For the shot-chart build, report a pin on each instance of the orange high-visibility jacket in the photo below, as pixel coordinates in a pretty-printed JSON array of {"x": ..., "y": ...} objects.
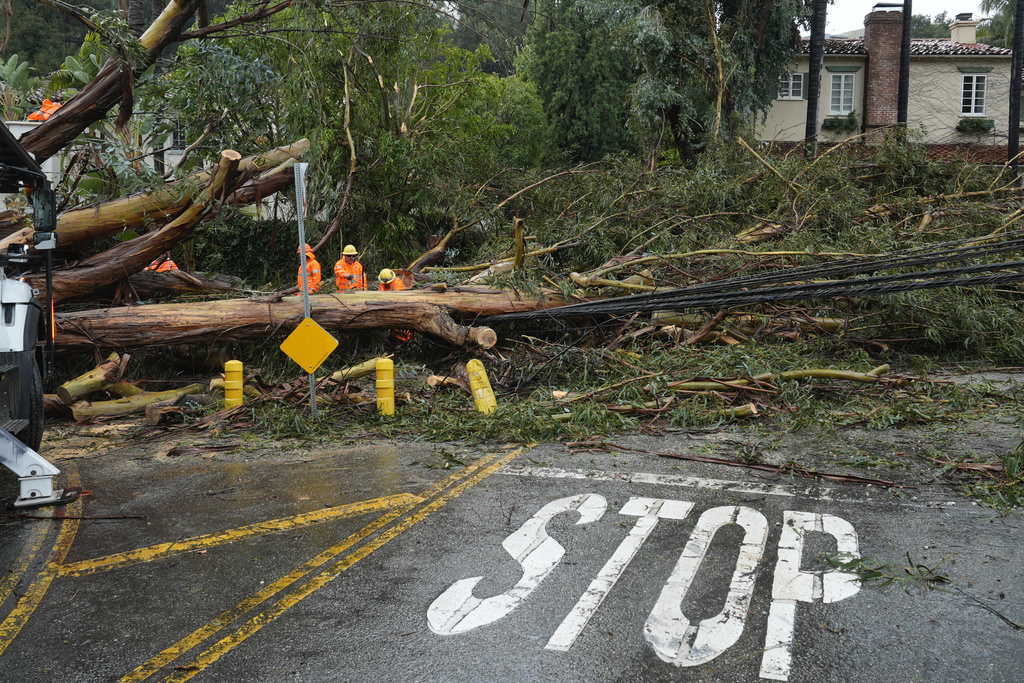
[
  {"x": 312, "y": 274},
  {"x": 162, "y": 266},
  {"x": 396, "y": 285},
  {"x": 349, "y": 276},
  {"x": 45, "y": 111}
]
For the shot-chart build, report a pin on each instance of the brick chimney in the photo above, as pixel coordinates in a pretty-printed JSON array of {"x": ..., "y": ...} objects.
[
  {"x": 964, "y": 29},
  {"x": 882, "y": 33}
]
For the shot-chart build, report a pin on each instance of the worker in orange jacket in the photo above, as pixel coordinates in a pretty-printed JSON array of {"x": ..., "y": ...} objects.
[
  {"x": 348, "y": 272},
  {"x": 389, "y": 282},
  {"x": 312, "y": 272},
  {"x": 162, "y": 263},
  {"x": 44, "y": 111}
]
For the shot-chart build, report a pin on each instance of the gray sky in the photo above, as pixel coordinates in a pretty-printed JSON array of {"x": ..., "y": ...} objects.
[{"x": 848, "y": 15}]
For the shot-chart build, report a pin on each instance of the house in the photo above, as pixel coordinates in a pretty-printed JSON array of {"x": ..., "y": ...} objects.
[{"x": 958, "y": 90}]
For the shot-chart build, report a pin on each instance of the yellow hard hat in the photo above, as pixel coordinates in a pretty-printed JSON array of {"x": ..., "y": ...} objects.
[
  {"x": 386, "y": 275},
  {"x": 349, "y": 250}
]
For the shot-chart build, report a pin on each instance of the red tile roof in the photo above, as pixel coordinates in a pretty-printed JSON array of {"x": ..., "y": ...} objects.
[{"x": 919, "y": 47}]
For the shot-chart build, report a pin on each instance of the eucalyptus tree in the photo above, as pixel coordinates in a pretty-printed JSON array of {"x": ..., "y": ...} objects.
[
  {"x": 705, "y": 67},
  {"x": 583, "y": 76},
  {"x": 405, "y": 126}
]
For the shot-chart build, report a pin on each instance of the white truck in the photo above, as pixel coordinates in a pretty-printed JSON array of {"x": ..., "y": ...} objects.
[{"x": 26, "y": 334}]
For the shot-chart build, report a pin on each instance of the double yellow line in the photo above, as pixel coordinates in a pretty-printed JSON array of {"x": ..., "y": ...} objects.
[
  {"x": 19, "y": 616},
  {"x": 400, "y": 513},
  {"x": 344, "y": 555}
]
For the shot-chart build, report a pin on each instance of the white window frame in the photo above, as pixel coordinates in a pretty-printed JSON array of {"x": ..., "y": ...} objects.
[
  {"x": 973, "y": 94},
  {"x": 791, "y": 87},
  {"x": 841, "y": 94}
]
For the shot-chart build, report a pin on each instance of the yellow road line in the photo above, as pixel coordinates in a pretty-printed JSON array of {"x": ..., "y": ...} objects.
[
  {"x": 223, "y": 620},
  {"x": 257, "y": 622},
  {"x": 17, "y": 618},
  {"x": 20, "y": 565},
  {"x": 161, "y": 550}
]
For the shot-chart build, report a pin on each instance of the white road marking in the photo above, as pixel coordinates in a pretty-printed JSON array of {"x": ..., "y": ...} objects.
[
  {"x": 457, "y": 610},
  {"x": 728, "y": 485},
  {"x": 792, "y": 584},
  {"x": 647, "y": 511},
  {"x": 668, "y": 630}
]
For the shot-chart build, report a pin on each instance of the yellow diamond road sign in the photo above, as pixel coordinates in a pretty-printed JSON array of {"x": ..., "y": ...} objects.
[{"x": 309, "y": 345}]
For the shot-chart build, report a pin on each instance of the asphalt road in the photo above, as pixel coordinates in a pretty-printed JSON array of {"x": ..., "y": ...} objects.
[{"x": 531, "y": 563}]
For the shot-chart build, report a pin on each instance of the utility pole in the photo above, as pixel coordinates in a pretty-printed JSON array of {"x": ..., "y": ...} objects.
[
  {"x": 817, "y": 57},
  {"x": 903, "y": 92},
  {"x": 1013, "y": 143}
]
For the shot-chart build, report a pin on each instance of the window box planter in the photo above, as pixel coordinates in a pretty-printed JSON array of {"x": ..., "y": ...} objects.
[
  {"x": 973, "y": 125},
  {"x": 841, "y": 123}
]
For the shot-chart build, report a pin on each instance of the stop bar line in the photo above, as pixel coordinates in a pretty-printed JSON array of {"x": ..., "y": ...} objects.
[{"x": 725, "y": 485}]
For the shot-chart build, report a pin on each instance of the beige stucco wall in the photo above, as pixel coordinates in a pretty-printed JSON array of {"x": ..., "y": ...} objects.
[
  {"x": 786, "y": 119},
  {"x": 936, "y": 86},
  {"x": 934, "y": 102}
]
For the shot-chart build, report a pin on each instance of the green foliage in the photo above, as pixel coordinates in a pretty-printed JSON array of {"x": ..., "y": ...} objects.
[
  {"x": 925, "y": 26},
  {"x": 704, "y": 68},
  {"x": 43, "y": 35},
  {"x": 582, "y": 76},
  {"x": 16, "y": 88},
  {"x": 911, "y": 575},
  {"x": 425, "y": 122}
]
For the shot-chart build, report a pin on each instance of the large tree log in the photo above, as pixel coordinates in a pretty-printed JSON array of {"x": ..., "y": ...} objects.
[
  {"x": 148, "y": 283},
  {"x": 78, "y": 226},
  {"x": 102, "y": 270},
  {"x": 234, "y": 320},
  {"x": 96, "y": 98}
]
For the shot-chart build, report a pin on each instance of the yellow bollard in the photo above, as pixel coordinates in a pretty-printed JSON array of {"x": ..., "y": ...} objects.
[
  {"x": 385, "y": 386},
  {"x": 483, "y": 395},
  {"x": 232, "y": 383}
]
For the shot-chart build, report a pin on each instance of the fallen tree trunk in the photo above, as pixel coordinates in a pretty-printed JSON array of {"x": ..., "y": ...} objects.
[
  {"x": 267, "y": 173},
  {"x": 96, "y": 98},
  {"x": 148, "y": 284},
  {"x": 234, "y": 320},
  {"x": 111, "y": 266}
]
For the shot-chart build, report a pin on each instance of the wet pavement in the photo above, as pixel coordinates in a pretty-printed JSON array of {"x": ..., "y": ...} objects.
[{"x": 530, "y": 563}]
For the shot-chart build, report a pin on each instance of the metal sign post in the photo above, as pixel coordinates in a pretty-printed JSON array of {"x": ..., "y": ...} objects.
[{"x": 300, "y": 212}]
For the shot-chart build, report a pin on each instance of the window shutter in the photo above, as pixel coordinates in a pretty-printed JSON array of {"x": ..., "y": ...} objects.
[
  {"x": 773, "y": 89},
  {"x": 807, "y": 84}
]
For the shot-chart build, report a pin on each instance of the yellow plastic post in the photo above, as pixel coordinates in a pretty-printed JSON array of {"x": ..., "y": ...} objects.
[
  {"x": 385, "y": 386},
  {"x": 232, "y": 383},
  {"x": 483, "y": 395}
]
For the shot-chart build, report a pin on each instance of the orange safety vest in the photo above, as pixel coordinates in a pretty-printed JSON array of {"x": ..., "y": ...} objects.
[
  {"x": 396, "y": 285},
  {"x": 312, "y": 274},
  {"x": 162, "y": 266},
  {"x": 44, "y": 111},
  {"x": 349, "y": 276}
]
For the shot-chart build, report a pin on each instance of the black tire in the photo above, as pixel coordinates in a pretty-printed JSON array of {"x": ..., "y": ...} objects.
[{"x": 32, "y": 435}]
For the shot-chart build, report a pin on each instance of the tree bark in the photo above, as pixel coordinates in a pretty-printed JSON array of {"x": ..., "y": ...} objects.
[
  {"x": 111, "y": 266},
  {"x": 234, "y": 320},
  {"x": 96, "y": 98},
  {"x": 75, "y": 227},
  {"x": 83, "y": 385},
  {"x": 127, "y": 406},
  {"x": 148, "y": 284}
]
